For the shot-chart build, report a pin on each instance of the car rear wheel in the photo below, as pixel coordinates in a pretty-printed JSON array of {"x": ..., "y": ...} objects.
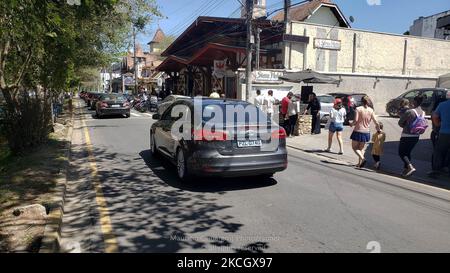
[{"x": 182, "y": 169}]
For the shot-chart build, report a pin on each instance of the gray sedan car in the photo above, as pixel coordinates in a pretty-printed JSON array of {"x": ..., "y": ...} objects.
[
  {"x": 252, "y": 145},
  {"x": 165, "y": 103}
]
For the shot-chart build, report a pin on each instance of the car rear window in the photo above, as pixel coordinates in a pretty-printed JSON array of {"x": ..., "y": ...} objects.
[
  {"x": 253, "y": 114},
  {"x": 326, "y": 99},
  {"x": 112, "y": 97}
]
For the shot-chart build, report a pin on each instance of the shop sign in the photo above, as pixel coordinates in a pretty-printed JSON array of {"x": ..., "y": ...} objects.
[
  {"x": 267, "y": 76},
  {"x": 327, "y": 44},
  {"x": 219, "y": 68}
]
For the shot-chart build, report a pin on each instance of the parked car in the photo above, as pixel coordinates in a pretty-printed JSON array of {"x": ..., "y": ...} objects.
[
  {"x": 112, "y": 104},
  {"x": 224, "y": 156},
  {"x": 350, "y": 101},
  {"x": 164, "y": 104},
  {"x": 94, "y": 99},
  {"x": 326, "y": 104},
  {"x": 433, "y": 96},
  {"x": 90, "y": 98}
]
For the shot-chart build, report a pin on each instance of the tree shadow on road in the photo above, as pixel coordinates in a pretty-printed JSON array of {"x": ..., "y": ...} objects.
[
  {"x": 167, "y": 173},
  {"x": 152, "y": 211}
]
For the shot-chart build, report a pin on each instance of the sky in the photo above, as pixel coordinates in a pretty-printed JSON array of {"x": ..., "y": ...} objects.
[{"x": 391, "y": 16}]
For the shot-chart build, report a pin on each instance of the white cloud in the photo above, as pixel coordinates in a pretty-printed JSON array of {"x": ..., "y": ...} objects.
[{"x": 374, "y": 2}]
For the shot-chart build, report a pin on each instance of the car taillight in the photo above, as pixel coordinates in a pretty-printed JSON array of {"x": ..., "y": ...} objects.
[
  {"x": 103, "y": 105},
  {"x": 279, "y": 134},
  {"x": 208, "y": 135},
  {"x": 126, "y": 104}
]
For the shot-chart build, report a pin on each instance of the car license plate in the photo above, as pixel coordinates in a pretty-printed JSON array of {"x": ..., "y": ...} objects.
[
  {"x": 250, "y": 143},
  {"x": 115, "y": 106}
]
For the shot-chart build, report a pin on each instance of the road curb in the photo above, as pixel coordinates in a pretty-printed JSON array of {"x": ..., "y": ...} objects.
[
  {"x": 406, "y": 184},
  {"x": 52, "y": 233}
]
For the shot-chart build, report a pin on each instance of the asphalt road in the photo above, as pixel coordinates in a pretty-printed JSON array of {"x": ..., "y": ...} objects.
[{"x": 314, "y": 206}]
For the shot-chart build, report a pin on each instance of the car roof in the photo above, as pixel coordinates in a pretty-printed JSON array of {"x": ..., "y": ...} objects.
[
  {"x": 346, "y": 94},
  {"x": 429, "y": 89},
  {"x": 208, "y": 100}
]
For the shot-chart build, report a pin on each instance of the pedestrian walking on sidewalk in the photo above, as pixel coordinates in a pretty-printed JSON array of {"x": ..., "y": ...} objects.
[
  {"x": 259, "y": 100},
  {"x": 364, "y": 115},
  {"x": 269, "y": 103},
  {"x": 314, "y": 106},
  {"x": 284, "y": 112},
  {"x": 337, "y": 118},
  {"x": 293, "y": 110},
  {"x": 410, "y": 138},
  {"x": 378, "y": 140},
  {"x": 404, "y": 106},
  {"x": 441, "y": 118}
]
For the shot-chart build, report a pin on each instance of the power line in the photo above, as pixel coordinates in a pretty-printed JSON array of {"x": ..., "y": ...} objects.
[
  {"x": 205, "y": 12},
  {"x": 204, "y": 4}
]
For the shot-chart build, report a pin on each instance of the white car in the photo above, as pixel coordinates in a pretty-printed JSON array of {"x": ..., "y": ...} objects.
[
  {"x": 164, "y": 104},
  {"x": 326, "y": 104}
]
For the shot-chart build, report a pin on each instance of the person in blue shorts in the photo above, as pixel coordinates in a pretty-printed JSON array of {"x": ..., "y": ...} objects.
[{"x": 337, "y": 116}]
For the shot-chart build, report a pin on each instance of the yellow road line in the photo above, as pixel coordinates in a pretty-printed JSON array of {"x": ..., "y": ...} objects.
[{"x": 109, "y": 237}]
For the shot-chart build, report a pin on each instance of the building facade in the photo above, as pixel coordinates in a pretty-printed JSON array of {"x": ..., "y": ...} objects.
[
  {"x": 434, "y": 26},
  {"x": 317, "y": 37},
  {"x": 146, "y": 63}
]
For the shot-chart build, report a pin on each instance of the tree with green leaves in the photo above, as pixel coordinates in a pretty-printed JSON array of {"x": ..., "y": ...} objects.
[{"x": 45, "y": 46}]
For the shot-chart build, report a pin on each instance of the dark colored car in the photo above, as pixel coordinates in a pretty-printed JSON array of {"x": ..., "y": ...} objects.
[
  {"x": 94, "y": 99},
  {"x": 167, "y": 101},
  {"x": 258, "y": 152},
  {"x": 433, "y": 96},
  {"x": 112, "y": 104},
  {"x": 350, "y": 101},
  {"x": 90, "y": 99}
]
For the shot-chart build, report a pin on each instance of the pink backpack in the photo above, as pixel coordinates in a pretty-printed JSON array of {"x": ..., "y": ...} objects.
[{"x": 419, "y": 125}]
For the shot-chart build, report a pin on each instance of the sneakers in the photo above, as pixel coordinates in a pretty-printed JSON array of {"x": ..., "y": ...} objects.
[
  {"x": 408, "y": 171},
  {"x": 377, "y": 166},
  {"x": 327, "y": 151}
]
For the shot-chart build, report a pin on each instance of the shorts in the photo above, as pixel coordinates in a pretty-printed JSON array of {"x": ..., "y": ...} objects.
[
  {"x": 336, "y": 127},
  {"x": 360, "y": 137}
]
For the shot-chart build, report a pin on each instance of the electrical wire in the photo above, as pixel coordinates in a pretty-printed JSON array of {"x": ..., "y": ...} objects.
[
  {"x": 193, "y": 14},
  {"x": 206, "y": 12}
]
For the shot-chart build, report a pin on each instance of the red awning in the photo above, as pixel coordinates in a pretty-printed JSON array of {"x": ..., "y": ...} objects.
[{"x": 204, "y": 56}]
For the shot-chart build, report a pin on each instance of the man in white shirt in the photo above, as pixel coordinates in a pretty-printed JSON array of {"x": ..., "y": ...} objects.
[
  {"x": 259, "y": 100},
  {"x": 269, "y": 102}
]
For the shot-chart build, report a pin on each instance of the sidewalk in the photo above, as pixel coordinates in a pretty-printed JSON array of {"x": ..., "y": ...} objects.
[{"x": 390, "y": 162}]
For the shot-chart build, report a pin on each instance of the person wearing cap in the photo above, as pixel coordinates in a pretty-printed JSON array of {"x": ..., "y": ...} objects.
[{"x": 337, "y": 118}]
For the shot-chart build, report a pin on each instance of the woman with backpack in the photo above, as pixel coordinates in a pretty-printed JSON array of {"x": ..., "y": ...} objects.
[{"x": 414, "y": 124}]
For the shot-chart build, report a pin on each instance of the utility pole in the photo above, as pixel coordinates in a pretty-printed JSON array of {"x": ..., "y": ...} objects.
[
  {"x": 110, "y": 78},
  {"x": 248, "y": 69},
  {"x": 287, "y": 5},
  {"x": 135, "y": 62},
  {"x": 258, "y": 46}
]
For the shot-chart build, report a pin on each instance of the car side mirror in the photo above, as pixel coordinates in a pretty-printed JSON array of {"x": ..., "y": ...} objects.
[{"x": 156, "y": 116}]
